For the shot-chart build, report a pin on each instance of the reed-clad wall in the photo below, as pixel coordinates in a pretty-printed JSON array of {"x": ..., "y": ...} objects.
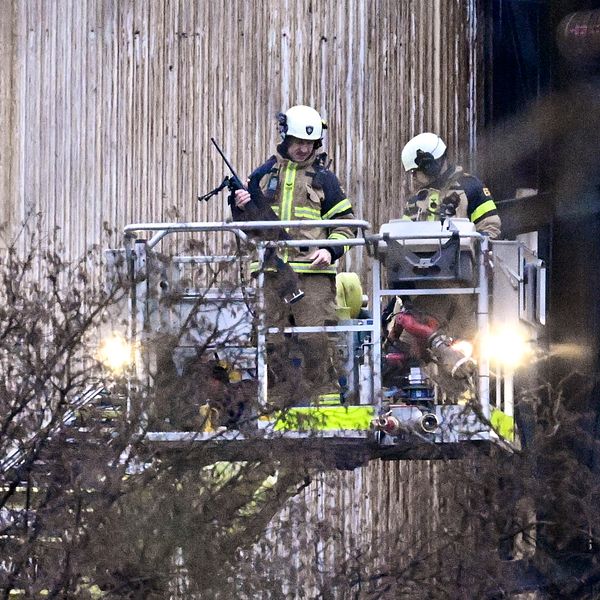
[{"x": 107, "y": 108}]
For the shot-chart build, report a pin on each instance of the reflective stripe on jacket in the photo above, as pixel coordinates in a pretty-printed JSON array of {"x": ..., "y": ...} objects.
[{"x": 456, "y": 194}]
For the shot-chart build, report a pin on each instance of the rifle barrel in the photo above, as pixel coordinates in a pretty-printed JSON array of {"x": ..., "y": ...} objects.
[{"x": 229, "y": 165}]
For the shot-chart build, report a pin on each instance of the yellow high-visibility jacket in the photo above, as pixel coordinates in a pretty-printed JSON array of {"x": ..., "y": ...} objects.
[
  {"x": 304, "y": 191},
  {"x": 456, "y": 194}
]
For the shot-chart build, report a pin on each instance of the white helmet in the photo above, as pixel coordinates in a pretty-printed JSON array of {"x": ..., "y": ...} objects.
[
  {"x": 302, "y": 122},
  {"x": 430, "y": 144}
]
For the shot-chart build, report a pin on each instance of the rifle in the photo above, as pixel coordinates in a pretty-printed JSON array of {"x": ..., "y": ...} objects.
[{"x": 288, "y": 286}]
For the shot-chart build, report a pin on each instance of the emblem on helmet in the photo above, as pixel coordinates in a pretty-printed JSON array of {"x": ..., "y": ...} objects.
[{"x": 303, "y": 122}]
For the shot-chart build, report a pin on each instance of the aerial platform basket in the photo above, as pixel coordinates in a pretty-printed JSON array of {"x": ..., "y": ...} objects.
[{"x": 405, "y": 259}]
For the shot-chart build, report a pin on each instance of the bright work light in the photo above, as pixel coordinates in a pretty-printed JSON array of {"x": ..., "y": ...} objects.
[
  {"x": 115, "y": 353},
  {"x": 508, "y": 347},
  {"x": 464, "y": 347}
]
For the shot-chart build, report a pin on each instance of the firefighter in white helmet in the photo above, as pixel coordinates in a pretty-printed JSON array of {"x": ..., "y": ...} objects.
[
  {"x": 296, "y": 183},
  {"x": 444, "y": 189}
]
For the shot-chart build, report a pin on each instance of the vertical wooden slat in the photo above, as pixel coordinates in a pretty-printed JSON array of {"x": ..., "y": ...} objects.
[
  {"x": 8, "y": 117},
  {"x": 34, "y": 122},
  {"x": 95, "y": 119},
  {"x": 45, "y": 141}
]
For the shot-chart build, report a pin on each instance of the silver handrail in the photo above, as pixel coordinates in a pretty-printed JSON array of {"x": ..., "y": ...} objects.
[
  {"x": 382, "y": 237},
  {"x": 239, "y": 228}
]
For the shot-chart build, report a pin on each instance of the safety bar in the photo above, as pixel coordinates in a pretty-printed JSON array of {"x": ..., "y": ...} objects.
[
  {"x": 313, "y": 243},
  {"x": 382, "y": 237},
  {"x": 238, "y": 228}
]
